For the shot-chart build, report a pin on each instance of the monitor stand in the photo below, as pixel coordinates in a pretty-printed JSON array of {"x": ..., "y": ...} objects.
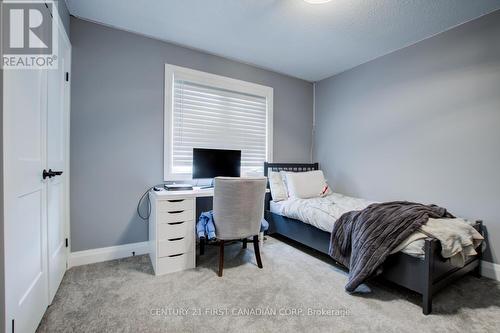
[{"x": 208, "y": 186}]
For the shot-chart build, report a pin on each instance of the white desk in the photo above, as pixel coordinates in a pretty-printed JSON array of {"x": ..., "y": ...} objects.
[
  {"x": 172, "y": 232},
  {"x": 172, "y": 223}
]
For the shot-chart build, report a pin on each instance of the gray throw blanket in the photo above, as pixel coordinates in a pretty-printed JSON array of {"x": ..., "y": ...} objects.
[{"x": 362, "y": 240}]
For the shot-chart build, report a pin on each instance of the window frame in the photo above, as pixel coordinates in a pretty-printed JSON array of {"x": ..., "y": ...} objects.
[{"x": 172, "y": 73}]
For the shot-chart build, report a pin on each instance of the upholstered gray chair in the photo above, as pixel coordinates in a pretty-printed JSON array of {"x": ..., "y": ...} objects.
[{"x": 238, "y": 212}]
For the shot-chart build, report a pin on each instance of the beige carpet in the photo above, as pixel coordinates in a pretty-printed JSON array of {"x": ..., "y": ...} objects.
[{"x": 295, "y": 292}]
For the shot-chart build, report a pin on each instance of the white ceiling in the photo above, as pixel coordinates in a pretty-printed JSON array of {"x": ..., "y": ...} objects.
[{"x": 293, "y": 37}]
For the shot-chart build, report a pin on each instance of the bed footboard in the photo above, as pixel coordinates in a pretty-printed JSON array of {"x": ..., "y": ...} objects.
[
  {"x": 432, "y": 273},
  {"x": 425, "y": 276}
]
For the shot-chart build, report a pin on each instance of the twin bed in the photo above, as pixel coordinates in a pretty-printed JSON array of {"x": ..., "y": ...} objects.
[{"x": 418, "y": 265}]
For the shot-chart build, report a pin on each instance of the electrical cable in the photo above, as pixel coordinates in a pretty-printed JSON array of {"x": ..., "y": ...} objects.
[{"x": 145, "y": 195}]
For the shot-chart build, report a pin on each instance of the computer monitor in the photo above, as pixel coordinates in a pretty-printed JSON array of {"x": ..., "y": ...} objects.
[{"x": 211, "y": 163}]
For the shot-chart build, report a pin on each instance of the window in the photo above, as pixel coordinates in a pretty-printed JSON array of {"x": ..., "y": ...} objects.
[{"x": 209, "y": 111}]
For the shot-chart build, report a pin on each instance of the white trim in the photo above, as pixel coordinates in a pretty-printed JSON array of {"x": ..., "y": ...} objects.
[
  {"x": 490, "y": 270},
  {"x": 172, "y": 72},
  {"x": 107, "y": 253},
  {"x": 67, "y": 124},
  {"x": 67, "y": 138}
]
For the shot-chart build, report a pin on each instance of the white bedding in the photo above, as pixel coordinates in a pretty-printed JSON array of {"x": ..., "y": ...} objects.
[
  {"x": 319, "y": 212},
  {"x": 323, "y": 212}
]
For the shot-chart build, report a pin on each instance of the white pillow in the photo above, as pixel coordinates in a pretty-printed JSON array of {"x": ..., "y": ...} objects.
[
  {"x": 277, "y": 186},
  {"x": 306, "y": 185},
  {"x": 283, "y": 177}
]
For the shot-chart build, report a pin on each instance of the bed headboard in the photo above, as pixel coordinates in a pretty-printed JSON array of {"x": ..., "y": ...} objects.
[{"x": 291, "y": 167}]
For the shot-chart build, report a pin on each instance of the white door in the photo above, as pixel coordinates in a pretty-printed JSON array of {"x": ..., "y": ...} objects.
[
  {"x": 26, "y": 278},
  {"x": 36, "y": 138},
  {"x": 57, "y": 123}
]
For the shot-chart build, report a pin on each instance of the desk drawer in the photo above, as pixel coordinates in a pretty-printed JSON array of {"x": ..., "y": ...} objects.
[
  {"x": 175, "y": 263},
  {"x": 175, "y": 205},
  {"x": 175, "y": 229},
  {"x": 174, "y": 246},
  {"x": 175, "y": 216}
]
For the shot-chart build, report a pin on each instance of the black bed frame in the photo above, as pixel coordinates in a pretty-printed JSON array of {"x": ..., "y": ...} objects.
[{"x": 425, "y": 276}]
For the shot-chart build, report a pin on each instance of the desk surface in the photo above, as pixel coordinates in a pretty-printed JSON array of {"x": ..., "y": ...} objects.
[{"x": 194, "y": 193}]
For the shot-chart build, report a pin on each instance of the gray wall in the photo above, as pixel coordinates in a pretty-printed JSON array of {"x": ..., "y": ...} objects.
[
  {"x": 420, "y": 124},
  {"x": 117, "y": 132}
]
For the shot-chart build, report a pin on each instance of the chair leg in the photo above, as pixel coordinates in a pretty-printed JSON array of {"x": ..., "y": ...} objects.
[
  {"x": 202, "y": 246},
  {"x": 221, "y": 257},
  {"x": 257, "y": 251},
  {"x": 244, "y": 243}
]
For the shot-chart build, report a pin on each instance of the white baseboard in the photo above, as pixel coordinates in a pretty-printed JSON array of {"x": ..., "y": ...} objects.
[
  {"x": 107, "y": 253},
  {"x": 490, "y": 270}
]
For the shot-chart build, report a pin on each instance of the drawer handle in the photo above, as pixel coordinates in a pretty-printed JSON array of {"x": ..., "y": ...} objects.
[
  {"x": 176, "y": 212},
  {"x": 176, "y": 200},
  {"x": 175, "y": 239},
  {"x": 176, "y": 255},
  {"x": 175, "y": 223}
]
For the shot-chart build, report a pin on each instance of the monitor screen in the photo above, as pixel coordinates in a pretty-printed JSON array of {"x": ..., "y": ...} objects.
[{"x": 211, "y": 163}]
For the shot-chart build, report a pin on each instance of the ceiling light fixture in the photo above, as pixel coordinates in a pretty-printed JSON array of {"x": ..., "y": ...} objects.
[{"x": 317, "y": 2}]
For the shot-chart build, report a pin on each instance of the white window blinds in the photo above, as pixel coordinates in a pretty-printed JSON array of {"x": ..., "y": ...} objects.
[{"x": 210, "y": 116}]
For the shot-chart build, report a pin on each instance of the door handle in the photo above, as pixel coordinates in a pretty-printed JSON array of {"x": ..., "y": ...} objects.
[
  {"x": 55, "y": 173},
  {"x": 46, "y": 174},
  {"x": 50, "y": 173}
]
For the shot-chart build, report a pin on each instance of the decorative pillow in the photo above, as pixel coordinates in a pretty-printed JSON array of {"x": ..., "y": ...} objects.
[
  {"x": 326, "y": 190},
  {"x": 278, "y": 187},
  {"x": 306, "y": 185}
]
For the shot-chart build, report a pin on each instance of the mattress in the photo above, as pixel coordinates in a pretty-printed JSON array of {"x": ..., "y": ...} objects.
[{"x": 323, "y": 212}]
